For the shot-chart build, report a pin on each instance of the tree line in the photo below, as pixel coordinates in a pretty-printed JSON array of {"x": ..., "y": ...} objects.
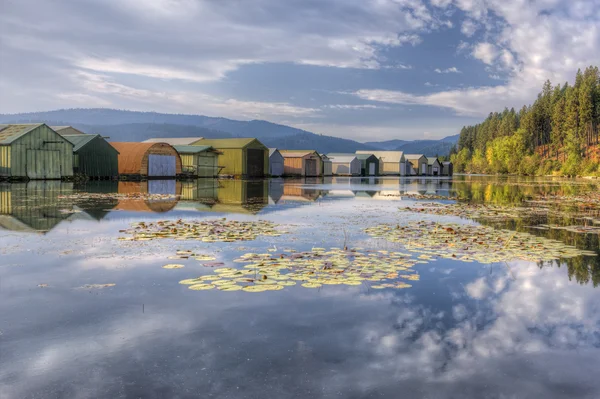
[{"x": 557, "y": 134}]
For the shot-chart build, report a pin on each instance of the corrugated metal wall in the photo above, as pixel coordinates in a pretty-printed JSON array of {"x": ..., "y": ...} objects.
[
  {"x": 41, "y": 154},
  {"x": 98, "y": 159}
]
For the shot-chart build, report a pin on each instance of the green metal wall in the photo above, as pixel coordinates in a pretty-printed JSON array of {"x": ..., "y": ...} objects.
[
  {"x": 98, "y": 159},
  {"x": 40, "y": 152}
]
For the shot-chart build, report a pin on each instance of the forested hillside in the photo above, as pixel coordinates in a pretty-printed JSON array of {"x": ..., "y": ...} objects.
[{"x": 558, "y": 134}]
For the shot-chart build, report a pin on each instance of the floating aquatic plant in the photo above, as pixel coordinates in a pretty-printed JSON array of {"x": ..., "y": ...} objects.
[
  {"x": 173, "y": 266},
  {"x": 97, "y": 286},
  {"x": 219, "y": 230},
  {"x": 468, "y": 243},
  {"x": 312, "y": 269}
]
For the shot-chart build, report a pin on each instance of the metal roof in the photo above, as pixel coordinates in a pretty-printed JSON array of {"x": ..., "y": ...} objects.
[
  {"x": 174, "y": 140},
  {"x": 341, "y": 158},
  {"x": 386, "y": 156},
  {"x": 80, "y": 140},
  {"x": 431, "y": 161},
  {"x": 365, "y": 156},
  {"x": 193, "y": 149},
  {"x": 272, "y": 151},
  {"x": 227, "y": 143},
  {"x": 12, "y": 132},
  {"x": 413, "y": 156},
  {"x": 68, "y": 130},
  {"x": 297, "y": 153}
]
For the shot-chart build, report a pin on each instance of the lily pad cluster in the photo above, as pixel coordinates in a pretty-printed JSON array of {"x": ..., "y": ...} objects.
[
  {"x": 312, "y": 269},
  {"x": 468, "y": 243},
  {"x": 219, "y": 230},
  {"x": 477, "y": 211}
]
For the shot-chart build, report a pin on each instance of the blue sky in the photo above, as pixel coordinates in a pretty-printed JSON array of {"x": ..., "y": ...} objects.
[{"x": 360, "y": 69}]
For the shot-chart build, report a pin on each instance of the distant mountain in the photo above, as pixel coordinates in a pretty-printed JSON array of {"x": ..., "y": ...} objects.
[
  {"x": 121, "y": 125},
  {"x": 429, "y": 147},
  {"x": 139, "y": 126},
  {"x": 389, "y": 145}
]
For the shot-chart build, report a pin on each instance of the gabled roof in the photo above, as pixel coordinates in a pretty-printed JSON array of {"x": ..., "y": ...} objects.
[
  {"x": 66, "y": 130},
  {"x": 193, "y": 149},
  {"x": 174, "y": 140},
  {"x": 363, "y": 157},
  {"x": 431, "y": 161},
  {"x": 9, "y": 133},
  {"x": 297, "y": 153},
  {"x": 324, "y": 157},
  {"x": 386, "y": 156},
  {"x": 272, "y": 151},
  {"x": 341, "y": 158},
  {"x": 227, "y": 143},
  {"x": 414, "y": 156},
  {"x": 341, "y": 154},
  {"x": 79, "y": 140}
]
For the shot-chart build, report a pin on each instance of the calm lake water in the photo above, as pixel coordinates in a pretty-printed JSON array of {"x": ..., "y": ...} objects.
[{"x": 463, "y": 330}]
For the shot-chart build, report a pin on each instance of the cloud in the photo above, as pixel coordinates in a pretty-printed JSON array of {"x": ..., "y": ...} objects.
[
  {"x": 469, "y": 28},
  {"x": 466, "y": 102},
  {"x": 177, "y": 101},
  {"x": 447, "y": 70},
  {"x": 356, "y": 106},
  {"x": 485, "y": 52}
]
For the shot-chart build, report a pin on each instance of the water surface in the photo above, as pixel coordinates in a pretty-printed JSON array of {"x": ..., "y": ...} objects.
[{"x": 464, "y": 330}]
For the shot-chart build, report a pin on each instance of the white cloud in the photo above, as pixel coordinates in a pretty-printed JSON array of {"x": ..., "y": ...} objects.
[
  {"x": 485, "y": 52},
  {"x": 447, "y": 70},
  {"x": 186, "y": 101},
  {"x": 356, "y": 106},
  {"x": 469, "y": 27}
]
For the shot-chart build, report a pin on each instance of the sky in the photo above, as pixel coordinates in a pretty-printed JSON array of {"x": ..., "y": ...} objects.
[{"x": 359, "y": 69}]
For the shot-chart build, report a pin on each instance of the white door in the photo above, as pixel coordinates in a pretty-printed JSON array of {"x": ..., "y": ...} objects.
[
  {"x": 371, "y": 169},
  {"x": 161, "y": 165},
  {"x": 424, "y": 169}
]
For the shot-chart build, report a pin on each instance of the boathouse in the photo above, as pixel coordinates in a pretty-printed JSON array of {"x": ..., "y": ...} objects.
[
  {"x": 275, "y": 162},
  {"x": 418, "y": 164},
  {"x": 241, "y": 157},
  {"x": 390, "y": 162},
  {"x": 152, "y": 160},
  {"x": 93, "y": 156},
  {"x": 34, "y": 151},
  {"x": 344, "y": 164},
  {"x": 198, "y": 160},
  {"x": 326, "y": 162},
  {"x": 302, "y": 163}
]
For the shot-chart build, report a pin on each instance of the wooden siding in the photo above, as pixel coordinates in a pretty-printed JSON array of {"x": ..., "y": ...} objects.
[
  {"x": 5, "y": 160},
  {"x": 234, "y": 161},
  {"x": 327, "y": 168},
  {"x": 40, "y": 154},
  {"x": 276, "y": 164},
  {"x": 297, "y": 166},
  {"x": 203, "y": 164},
  {"x": 346, "y": 168},
  {"x": 389, "y": 168},
  {"x": 97, "y": 159},
  {"x": 293, "y": 166}
]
